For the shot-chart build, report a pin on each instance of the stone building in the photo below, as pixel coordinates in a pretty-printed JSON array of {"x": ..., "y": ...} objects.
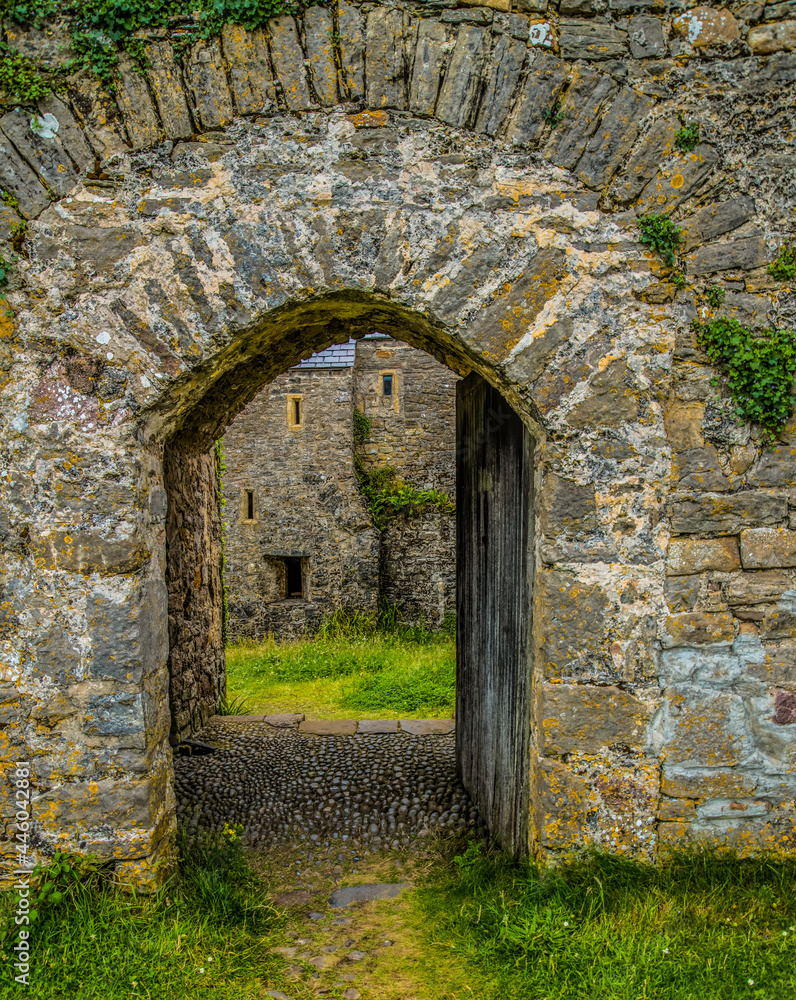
[
  {"x": 475, "y": 183},
  {"x": 299, "y": 539}
]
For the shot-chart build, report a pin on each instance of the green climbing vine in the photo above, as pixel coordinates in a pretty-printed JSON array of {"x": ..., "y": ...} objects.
[
  {"x": 361, "y": 427},
  {"x": 221, "y": 468},
  {"x": 758, "y": 366},
  {"x": 783, "y": 267}
]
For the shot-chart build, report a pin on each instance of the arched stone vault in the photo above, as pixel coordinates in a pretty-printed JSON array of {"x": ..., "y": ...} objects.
[{"x": 406, "y": 181}]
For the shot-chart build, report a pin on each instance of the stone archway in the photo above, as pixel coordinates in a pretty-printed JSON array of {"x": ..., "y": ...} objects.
[{"x": 163, "y": 271}]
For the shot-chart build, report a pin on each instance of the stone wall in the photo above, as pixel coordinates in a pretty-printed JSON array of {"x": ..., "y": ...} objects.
[
  {"x": 414, "y": 429},
  {"x": 375, "y": 168},
  {"x": 307, "y": 505},
  {"x": 417, "y": 566}
]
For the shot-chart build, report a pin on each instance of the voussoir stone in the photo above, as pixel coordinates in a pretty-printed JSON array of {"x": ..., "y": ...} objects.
[
  {"x": 696, "y": 555},
  {"x": 135, "y": 103},
  {"x": 246, "y": 56},
  {"x": 288, "y": 58},
  {"x": 766, "y": 39},
  {"x": 506, "y": 65},
  {"x": 588, "y": 91},
  {"x": 430, "y": 52},
  {"x": 318, "y": 31},
  {"x": 351, "y": 33},
  {"x": 69, "y": 132},
  {"x": 164, "y": 79},
  {"x": 614, "y": 139},
  {"x": 768, "y": 548},
  {"x": 715, "y": 220},
  {"x": 204, "y": 71},
  {"x": 47, "y": 156},
  {"x": 642, "y": 166},
  {"x": 742, "y": 254},
  {"x": 98, "y": 114},
  {"x": 544, "y": 82},
  {"x": 678, "y": 180},
  {"x": 457, "y": 99},
  {"x": 385, "y": 56}
]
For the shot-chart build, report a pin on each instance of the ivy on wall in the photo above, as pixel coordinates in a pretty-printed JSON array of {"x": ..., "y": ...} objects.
[
  {"x": 759, "y": 368},
  {"x": 387, "y": 496}
]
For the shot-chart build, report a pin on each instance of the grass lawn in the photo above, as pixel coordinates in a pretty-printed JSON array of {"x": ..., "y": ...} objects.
[
  {"x": 476, "y": 925},
  {"x": 356, "y": 667}
]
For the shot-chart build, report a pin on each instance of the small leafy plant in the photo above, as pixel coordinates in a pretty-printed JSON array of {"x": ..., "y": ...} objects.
[
  {"x": 554, "y": 116},
  {"x": 233, "y": 706},
  {"x": 659, "y": 232},
  {"x": 361, "y": 427},
  {"x": 759, "y": 368},
  {"x": 783, "y": 267},
  {"x": 20, "y": 78},
  {"x": 677, "y": 278},
  {"x": 687, "y": 137},
  {"x": 62, "y": 879},
  {"x": 715, "y": 296}
]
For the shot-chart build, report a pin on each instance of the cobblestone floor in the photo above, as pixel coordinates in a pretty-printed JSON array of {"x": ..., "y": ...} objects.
[{"x": 354, "y": 788}]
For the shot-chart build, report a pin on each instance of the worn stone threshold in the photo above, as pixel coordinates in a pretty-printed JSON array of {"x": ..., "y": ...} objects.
[{"x": 342, "y": 727}]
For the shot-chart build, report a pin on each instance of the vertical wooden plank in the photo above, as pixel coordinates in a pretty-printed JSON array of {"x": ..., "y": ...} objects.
[{"x": 493, "y": 510}]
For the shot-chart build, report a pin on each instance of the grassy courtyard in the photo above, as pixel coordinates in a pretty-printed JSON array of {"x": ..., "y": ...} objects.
[
  {"x": 472, "y": 925},
  {"x": 357, "y": 666}
]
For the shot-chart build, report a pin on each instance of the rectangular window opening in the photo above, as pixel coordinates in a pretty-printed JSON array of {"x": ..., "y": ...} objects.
[
  {"x": 249, "y": 505},
  {"x": 386, "y": 385},
  {"x": 296, "y": 411},
  {"x": 294, "y": 582}
]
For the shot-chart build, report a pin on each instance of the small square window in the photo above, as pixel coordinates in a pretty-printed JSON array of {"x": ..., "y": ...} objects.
[{"x": 386, "y": 385}]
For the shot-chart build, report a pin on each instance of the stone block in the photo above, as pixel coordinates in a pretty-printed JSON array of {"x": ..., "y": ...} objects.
[
  {"x": 120, "y": 715},
  {"x": 697, "y": 555},
  {"x": 785, "y": 9},
  {"x": 682, "y": 592},
  {"x": 705, "y": 27},
  {"x": 135, "y": 104},
  {"x": 645, "y": 35},
  {"x": 428, "y": 727},
  {"x": 70, "y": 134},
  {"x": 318, "y": 32},
  {"x": 284, "y": 720},
  {"x": 680, "y": 810},
  {"x": 129, "y": 638},
  {"x": 742, "y": 254},
  {"x": 588, "y": 91},
  {"x": 430, "y": 52},
  {"x": 47, "y": 156},
  {"x": 87, "y": 552},
  {"x": 777, "y": 666},
  {"x": 777, "y": 464},
  {"x": 54, "y": 709},
  {"x": 642, "y": 166},
  {"x": 698, "y": 628},
  {"x": 590, "y": 40},
  {"x": 677, "y": 181},
  {"x": 706, "y": 784},
  {"x": 612, "y": 399},
  {"x": 544, "y": 81},
  {"x": 699, "y": 468},
  {"x": 767, "y": 548},
  {"x": 562, "y": 801},
  {"x": 613, "y": 140},
  {"x": 778, "y": 624},
  {"x": 352, "y": 48},
  {"x": 715, "y": 220},
  {"x": 385, "y": 55},
  {"x": 97, "y": 805},
  {"x": 461, "y": 88},
  {"x": 377, "y": 726},
  {"x": 98, "y": 114},
  {"x": 204, "y": 73},
  {"x": 566, "y": 507},
  {"x": 328, "y": 727},
  {"x": 764, "y": 587},
  {"x": 246, "y": 57},
  {"x": 584, "y": 718},
  {"x": 766, "y": 39},
  {"x": 164, "y": 80},
  {"x": 481, "y": 15},
  {"x": 573, "y": 642},
  {"x": 706, "y": 729},
  {"x": 531, "y": 6},
  {"x": 506, "y": 65},
  {"x": 727, "y": 514},
  {"x": 19, "y": 180},
  {"x": 530, "y": 362}
]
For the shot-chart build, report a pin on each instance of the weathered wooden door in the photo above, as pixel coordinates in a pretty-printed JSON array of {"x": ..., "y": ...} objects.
[{"x": 494, "y": 483}]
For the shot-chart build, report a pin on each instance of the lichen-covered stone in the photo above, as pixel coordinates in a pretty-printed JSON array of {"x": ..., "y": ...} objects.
[
  {"x": 318, "y": 31},
  {"x": 204, "y": 72},
  {"x": 164, "y": 80},
  {"x": 614, "y": 139},
  {"x": 544, "y": 81},
  {"x": 696, "y": 555},
  {"x": 645, "y": 35},
  {"x": 246, "y": 56},
  {"x": 766, "y": 39},
  {"x": 741, "y": 254},
  {"x": 706, "y": 26},
  {"x": 675, "y": 182},
  {"x": 70, "y": 134},
  {"x": 352, "y": 47},
  {"x": 766, "y": 548},
  {"x": 385, "y": 57},
  {"x": 587, "y": 92},
  {"x": 47, "y": 156},
  {"x": 715, "y": 220},
  {"x": 698, "y": 629},
  {"x": 587, "y": 40},
  {"x": 430, "y": 52},
  {"x": 645, "y": 161},
  {"x": 584, "y": 719},
  {"x": 507, "y": 63},
  {"x": 135, "y": 103},
  {"x": 462, "y": 84},
  {"x": 727, "y": 514},
  {"x": 19, "y": 180}
]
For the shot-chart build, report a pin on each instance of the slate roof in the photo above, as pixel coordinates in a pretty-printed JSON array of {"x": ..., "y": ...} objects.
[{"x": 338, "y": 355}]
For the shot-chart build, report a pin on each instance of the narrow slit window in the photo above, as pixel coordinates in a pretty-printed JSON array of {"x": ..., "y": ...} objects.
[
  {"x": 386, "y": 385},
  {"x": 294, "y": 578},
  {"x": 249, "y": 505},
  {"x": 296, "y": 411}
]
